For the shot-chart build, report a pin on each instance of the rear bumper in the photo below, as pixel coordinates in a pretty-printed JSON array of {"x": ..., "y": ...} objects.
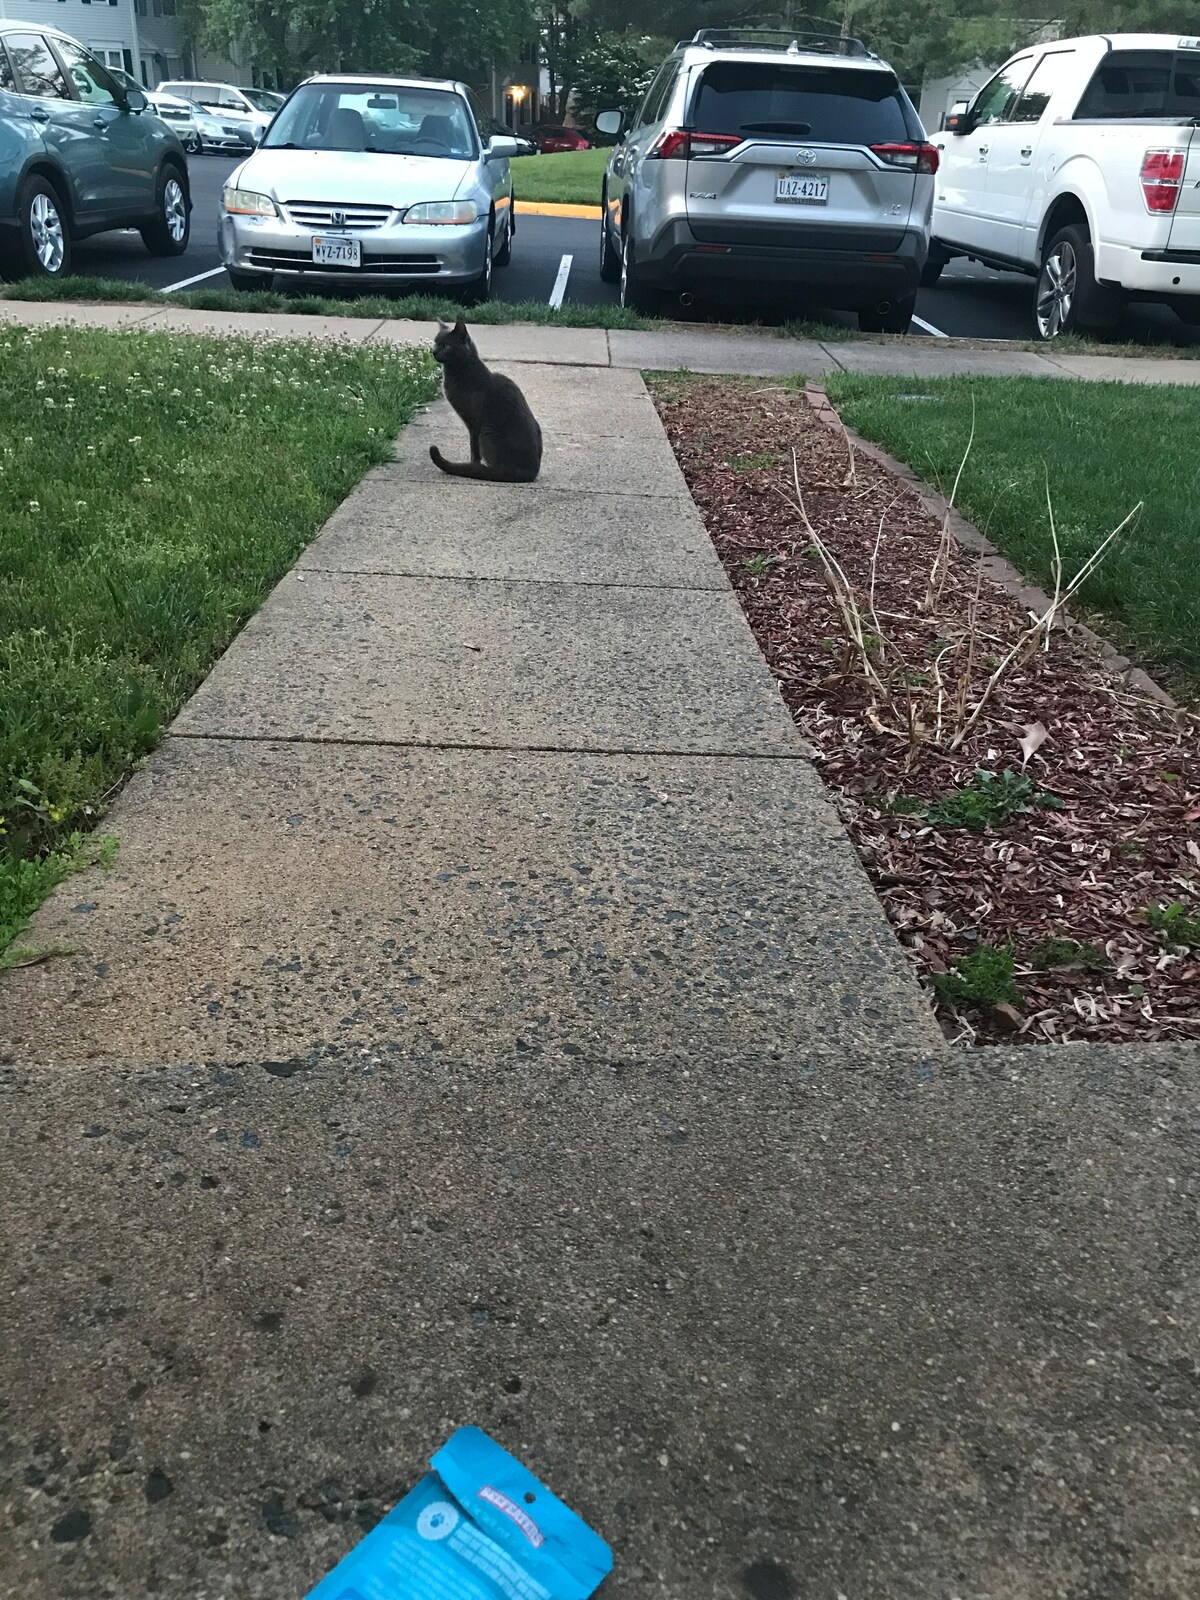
[
  {"x": 847, "y": 277},
  {"x": 1151, "y": 274}
]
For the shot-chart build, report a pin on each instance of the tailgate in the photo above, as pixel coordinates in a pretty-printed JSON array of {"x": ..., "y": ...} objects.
[
  {"x": 811, "y": 197},
  {"x": 789, "y": 158},
  {"x": 1185, "y": 224}
]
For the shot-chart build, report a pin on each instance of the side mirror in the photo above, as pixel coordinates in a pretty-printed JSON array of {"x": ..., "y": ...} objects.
[
  {"x": 609, "y": 122},
  {"x": 135, "y": 100},
  {"x": 501, "y": 147},
  {"x": 960, "y": 122}
]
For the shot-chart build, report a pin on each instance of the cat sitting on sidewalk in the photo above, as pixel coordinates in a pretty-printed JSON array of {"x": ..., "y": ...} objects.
[{"x": 506, "y": 442}]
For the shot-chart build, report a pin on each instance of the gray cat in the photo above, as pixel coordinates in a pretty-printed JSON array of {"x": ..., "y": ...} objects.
[{"x": 506, "y": 442}]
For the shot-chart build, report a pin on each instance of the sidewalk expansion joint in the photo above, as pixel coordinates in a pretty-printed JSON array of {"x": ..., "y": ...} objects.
[
  {"x": 633, "y": 752},
  {"x": 499, "y": 577}
]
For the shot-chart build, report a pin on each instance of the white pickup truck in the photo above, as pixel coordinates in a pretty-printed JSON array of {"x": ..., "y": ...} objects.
[{"x": 1079, "y": 163}]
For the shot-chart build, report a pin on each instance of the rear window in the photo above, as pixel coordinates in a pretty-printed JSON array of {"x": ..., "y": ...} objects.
[
  {"x": 1143, "y": 83},
  {"x": 829, "y": 105}
]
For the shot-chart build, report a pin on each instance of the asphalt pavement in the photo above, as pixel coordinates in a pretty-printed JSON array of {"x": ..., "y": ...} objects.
[{"x": 555, "y": 259}]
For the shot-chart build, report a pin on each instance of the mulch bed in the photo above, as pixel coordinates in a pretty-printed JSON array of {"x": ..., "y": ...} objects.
[{"x": 1068, "y": 881}]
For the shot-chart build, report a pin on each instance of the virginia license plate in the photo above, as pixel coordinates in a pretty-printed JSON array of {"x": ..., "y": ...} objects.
[
  {"x": 811, "y": 189},
  {"x": 337, "y": 252}
]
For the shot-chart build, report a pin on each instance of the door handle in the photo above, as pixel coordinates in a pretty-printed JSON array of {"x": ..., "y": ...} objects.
[
  {"x": 40, "y": 114},
  {"x": 1026, "y": 152},
  {"x": 99, "y": 122},
  {"x": 983, "y": 149}
]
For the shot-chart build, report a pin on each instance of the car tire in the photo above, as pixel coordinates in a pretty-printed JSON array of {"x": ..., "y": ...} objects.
[
  {"x": 635, "y": 296},
  {"x": 249, "y": 282},
  {"x": 171, "y": 229},
  {"x": 1068, "y": 299},
  {"x": 504, "y": 254},
  {"x": 43, "y": 233},
  {"x": 479, "y": 292},
  {"x": 895, "y": 320},
  {"x": 610, "y": 261}
]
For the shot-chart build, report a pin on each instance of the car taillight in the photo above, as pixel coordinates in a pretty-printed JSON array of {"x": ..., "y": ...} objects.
[
  {"x": 1162, "y": 175},
  {"x": 912, "y": 157},
  {"x": 677, "y": 144}
]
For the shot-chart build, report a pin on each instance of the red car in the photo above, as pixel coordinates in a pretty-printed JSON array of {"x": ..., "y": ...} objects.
[{"x": 554, "y": 141}]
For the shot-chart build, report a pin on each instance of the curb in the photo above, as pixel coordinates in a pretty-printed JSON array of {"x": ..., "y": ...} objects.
[
  {"x": 547, "y": 208},
  {"x": 997, "y": 568}
]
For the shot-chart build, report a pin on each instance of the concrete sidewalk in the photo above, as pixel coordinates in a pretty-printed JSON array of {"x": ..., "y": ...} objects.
[
  {"x": 668, "y": 349},
  {"x": 494, "y": 766},
  {"x": 487, "y": 1021}
]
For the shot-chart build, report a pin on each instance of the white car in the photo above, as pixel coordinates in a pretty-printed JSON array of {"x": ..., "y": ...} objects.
[
  {"x": 1079, "y": 164},
  {"x": 247, "y": 112}
]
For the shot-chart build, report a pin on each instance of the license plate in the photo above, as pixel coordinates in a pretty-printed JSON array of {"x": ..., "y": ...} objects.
[
  {"x": 793, "y": 189},
  {"x": 337, "y": 252}
]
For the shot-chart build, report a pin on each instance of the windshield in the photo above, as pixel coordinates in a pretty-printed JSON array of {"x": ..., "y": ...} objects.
[
  {"x": 386, "y": 119},
  {"x": 263, "y": 100},
  {"x": 829, "y": 105}
]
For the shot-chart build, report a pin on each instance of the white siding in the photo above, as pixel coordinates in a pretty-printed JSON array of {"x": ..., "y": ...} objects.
[{"x": 103, "y": 27}]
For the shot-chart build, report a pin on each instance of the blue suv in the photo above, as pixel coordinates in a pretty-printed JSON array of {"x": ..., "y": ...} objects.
[{"x": 79, "y": 154}]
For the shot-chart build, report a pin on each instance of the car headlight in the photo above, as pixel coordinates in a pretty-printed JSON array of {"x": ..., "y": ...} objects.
[
  {"x": 245, "y": 203},
  {"x": 445, "y": 212}
]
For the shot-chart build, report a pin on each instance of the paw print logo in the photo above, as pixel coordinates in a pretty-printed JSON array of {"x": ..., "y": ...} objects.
[{"x": 438, "y": 1520}]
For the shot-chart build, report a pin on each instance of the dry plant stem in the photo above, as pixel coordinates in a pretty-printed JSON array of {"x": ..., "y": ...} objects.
[
  {"x": 1029, "y": 637},
  {"x": 941, "y": 562},
  {"x": 1056, "y": 563}
]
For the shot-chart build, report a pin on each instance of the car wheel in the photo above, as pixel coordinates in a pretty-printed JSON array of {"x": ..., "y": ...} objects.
[
  {"x": 248, "y": 282},
  {"x": 43, "y": 233},
  {"x": 504, "y": 254},
  {"x": 171, "y": 229},
  {"x": 194, "y": 144},
  {"x": 1068, "y": 298},
  {"x": 610, "y": 261},
  {"x": 477, "y": 293},
  {"x": 895, "y": 319},
  {"x": 634, "y": 295}
]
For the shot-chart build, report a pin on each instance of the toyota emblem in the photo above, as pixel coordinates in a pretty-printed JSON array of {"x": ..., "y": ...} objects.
[{"x": 806, "y": 158}]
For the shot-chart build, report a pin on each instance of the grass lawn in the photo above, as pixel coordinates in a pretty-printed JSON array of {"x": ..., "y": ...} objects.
[
  {"x": 572, "y": 178},
  {"x": 152, "y": 489},
  {"x": 1105, "y": 447}
]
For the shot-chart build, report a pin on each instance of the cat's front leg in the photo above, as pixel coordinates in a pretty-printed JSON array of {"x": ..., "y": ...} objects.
[{"x": 475, "y": 454}]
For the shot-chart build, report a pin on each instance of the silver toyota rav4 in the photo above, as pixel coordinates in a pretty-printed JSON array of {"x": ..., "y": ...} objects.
[{"x": 774, "y": 165}]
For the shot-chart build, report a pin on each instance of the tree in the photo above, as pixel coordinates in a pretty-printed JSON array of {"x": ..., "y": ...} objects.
[{"x": 614, "y": 70}]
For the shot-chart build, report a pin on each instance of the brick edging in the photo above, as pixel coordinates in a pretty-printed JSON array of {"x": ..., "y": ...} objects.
[{"x": 996, "y": 568}]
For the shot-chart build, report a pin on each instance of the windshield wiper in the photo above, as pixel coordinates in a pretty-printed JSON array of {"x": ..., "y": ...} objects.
[{"x": 777, "y": 127}]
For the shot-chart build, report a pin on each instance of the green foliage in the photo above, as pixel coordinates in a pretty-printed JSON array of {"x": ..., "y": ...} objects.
[
  {"x": 613, "y": 72},
  {"x": 1174, "y": 924},
  {"x": 988, "y": 802},
  {"x": 1053, "y": 953},
  {"x": 127, "y": 568},
  {"x": 985, "y": 977}
]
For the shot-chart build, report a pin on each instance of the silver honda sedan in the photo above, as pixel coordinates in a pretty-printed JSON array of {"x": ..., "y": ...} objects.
[{"x": 373, "y": 181}]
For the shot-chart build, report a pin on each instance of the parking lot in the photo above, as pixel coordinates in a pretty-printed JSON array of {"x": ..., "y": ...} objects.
[{"x": 555, "y": 258}]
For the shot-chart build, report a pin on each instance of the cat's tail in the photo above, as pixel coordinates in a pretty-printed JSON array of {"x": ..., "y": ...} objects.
[{"x": 480, "y": 469}]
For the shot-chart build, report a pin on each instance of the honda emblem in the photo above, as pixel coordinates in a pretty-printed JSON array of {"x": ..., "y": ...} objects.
[{"x": 337, "y": 219}]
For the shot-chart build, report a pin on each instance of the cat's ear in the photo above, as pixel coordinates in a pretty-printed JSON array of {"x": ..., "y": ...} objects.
[
  {"x": 443, "y": 327},
  {"x": 460, "y": 328}
]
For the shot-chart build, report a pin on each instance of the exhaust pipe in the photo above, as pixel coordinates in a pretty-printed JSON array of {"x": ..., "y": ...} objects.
[
  {"x": 884, "y": 307},
  {"x": 687, "y": 298}
]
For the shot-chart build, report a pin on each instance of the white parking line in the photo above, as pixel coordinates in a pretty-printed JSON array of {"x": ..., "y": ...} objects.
[
  {"x": 929, "y": 328},
  {"x": 186, "y": 283},
  {"x": 560, "y": 283}
]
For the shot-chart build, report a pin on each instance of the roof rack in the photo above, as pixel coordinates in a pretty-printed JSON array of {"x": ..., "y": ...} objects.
[{"x": 786, "y": 40}]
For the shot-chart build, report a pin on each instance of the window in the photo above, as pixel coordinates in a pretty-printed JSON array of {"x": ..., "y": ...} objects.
[
  {"x": 480, "y": 115},
  {"x": 383, "y": 119},
  {"x": 7, "y": 81},
  {"x": 1048, "y": 78},
  {"x": 996, "y": 99},
  {"x": 652, "y": 94},
  {"x": 92, "y": 82},
  {"x": 37, "y": 71},
  {"x": 660, "y": 99},
  {"x": 830, "y": 105},
  {"x": 1143, "y": 83}
]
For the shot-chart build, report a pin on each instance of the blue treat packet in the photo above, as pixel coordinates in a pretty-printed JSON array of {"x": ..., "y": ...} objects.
[{"x": 480, "y": 1526}]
